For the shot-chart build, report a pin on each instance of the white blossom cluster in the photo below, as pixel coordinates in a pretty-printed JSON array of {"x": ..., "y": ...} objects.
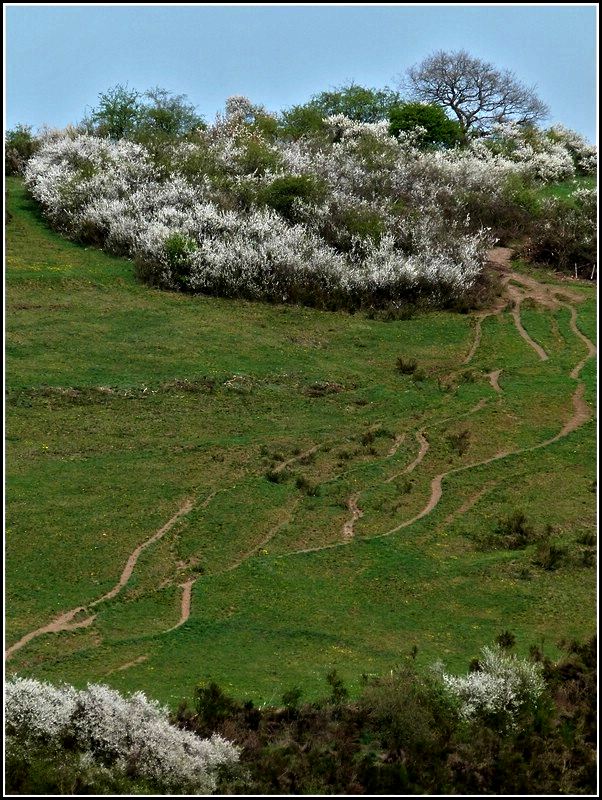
[
  {"x": 502, "y": 685},
  {"x": 584, "y": 154},
  {"x": 113, "y": 731},
  {"x": 387, "y": 216}
]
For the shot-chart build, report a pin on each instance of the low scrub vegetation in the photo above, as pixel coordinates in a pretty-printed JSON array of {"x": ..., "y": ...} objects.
[{"x": 508, "y": 726}]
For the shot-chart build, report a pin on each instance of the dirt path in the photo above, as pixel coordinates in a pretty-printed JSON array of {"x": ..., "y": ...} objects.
[
  {"x": 64, "y": 622},
  {"x": 548, "y": 296},
  {"x": 494, "y": 378},
  {"x": 186, "y": 602},
  {"x": 131, "y": 562},
  {"x": 356, "y": 513},
  {"x": 553, "y": 298},
  {"x": 300, "y": 457}
]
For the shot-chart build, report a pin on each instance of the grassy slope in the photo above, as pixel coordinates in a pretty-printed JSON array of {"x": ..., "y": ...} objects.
[{"x": 123, "y": 402}]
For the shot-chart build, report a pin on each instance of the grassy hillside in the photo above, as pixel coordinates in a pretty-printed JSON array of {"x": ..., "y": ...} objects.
[{"x": 306, "y": 444}]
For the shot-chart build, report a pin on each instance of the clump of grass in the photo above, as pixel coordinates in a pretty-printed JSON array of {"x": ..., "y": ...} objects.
[
  {"x": 549, "y": 556},
  {"x": 321, "y": 388},
  {"x": 370, "y": 436},
  {"x": 460, "y": 442},
  {"x": 276, "y": 475},
  {"x": 307, "y": 487},
  {"x": 516, "y": 531},
  {"x": 407, "y": 366}
]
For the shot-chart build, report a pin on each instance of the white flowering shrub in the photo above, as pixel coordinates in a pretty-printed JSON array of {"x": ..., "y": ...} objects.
[
  {"x": 351, "y": 217},
  {"x": 584, "y": 155},
  {"x": 501, "y": 687},
  {"x": 130, "y": 736}
]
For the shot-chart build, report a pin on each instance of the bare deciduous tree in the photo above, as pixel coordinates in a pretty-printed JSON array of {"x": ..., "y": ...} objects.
[{"x": 478, "y": 94}]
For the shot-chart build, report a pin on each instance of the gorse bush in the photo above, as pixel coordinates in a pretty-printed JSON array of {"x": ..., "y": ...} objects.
[
  {"x": 126, "y": 740},
  {"x": 505, "y": 728}
]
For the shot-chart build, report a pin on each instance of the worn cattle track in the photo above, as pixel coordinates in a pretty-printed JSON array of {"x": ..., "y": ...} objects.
[{"x": 517, "y": 288}]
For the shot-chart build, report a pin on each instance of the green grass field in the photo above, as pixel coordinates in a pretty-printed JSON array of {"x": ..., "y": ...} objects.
[{"x": 277, "y": 423}]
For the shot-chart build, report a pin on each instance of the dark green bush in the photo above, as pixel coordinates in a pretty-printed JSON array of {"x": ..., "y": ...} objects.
[
  {"x": 516, "y": 531},
  {"x": 177, "y": 249},
  {"x": 284, "y": 192},
  {"x": 439, "y": 129}
]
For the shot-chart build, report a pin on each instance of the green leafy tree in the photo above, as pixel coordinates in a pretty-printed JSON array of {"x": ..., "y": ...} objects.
[
  {"x": 353, "y": 101},
  {"x": 301, "y": 120},
  {"x": 117, "y": 114},
  {"x": 356, "y": 102},
  {"x": 159, "y": 114},
  {"x": 439, "y": 129},
  {"x": 168, "y": 115},
  {"x": 19, "y": 146}
]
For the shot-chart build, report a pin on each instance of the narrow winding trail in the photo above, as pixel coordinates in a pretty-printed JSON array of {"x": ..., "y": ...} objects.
[
  {"x": 517, "y": 288},
  {"x": 65, "y": 621}
]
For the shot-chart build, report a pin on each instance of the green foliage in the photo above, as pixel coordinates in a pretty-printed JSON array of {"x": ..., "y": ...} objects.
[
  {"x": 516, "y": 531},
  {"x": 506, "y": 640},
  {"x": 166, "y": 115},
  {"x": 19, "y": 146},
  {"x": 301, "y": 120},
  {"x": 549, "y": 555},
  {"x": 117, "y": 114},
  {"x": 307, "y": 487},
  {"x": 212, "y": 705},
  {"x": 407, "y": 366},
  {"x": 291, "y": 697},
  {"x": 363, "y": 223},
  {"x": 99, "y": 387},
  {"x": 510, "y": 214},
  {"x": 403, "y": 735},
  {"x": 283, "y": 194},
  {"x": 460, "y": 441},
  {"x": 258, "y": 157},
  {"x": 355, "y": 102},
  {"x": 39, "y": 769},
  {"x": 177, "y": 249},
  {"x": 154, "y": 115},
  {"x": 339, "y": 691},
  {"x": 440, "y": 131},
  {"x": 407, "y": 711}
]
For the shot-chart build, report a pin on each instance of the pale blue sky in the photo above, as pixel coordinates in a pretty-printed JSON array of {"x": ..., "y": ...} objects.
[{"x": 59, "y": 58}]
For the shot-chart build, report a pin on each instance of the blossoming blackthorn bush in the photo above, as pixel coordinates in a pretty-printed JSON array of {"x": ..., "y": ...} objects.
[
  {"x": 121, "y": 736},
  {"x": 501, "y": 686}
]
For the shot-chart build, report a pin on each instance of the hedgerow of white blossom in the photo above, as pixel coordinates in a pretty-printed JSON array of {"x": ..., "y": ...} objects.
[
  {"x": 115, "y": 732},
  {"x": 503, "y": 685},
  {"x": 387, "y": 215}
]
